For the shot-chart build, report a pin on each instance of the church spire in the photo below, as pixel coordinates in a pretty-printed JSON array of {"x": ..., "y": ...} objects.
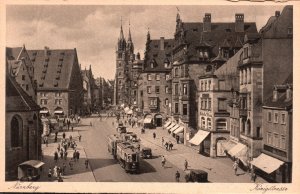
[
  {"x": 130, "y": 46},
  {"x": 148, "y": 35},
  {"x": 121, "y": 37},
  {"x": 129, "y": 34},
  {"x": 121, "y": 40}
]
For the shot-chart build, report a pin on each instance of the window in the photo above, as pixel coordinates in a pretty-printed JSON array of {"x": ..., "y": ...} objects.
[
  {"x": 221, "y": 85},
  {"x": 202, "y": 89},
  {"x": 209, "y": 104},
  {"x": 282, "y": 118},
  {"x": 149, "y": 77},
  {"x": 176, "y": 72},
  {"x": 157, "y": 89},
  {"x": 184, "y": 109},
  {"x": 283, "y": 142},
  {"x": 276, "y": 140},
  {"x": 209, "y": 85},
  {"x": 203, "y": 123},
  {"x": 141, "y": 93},
  {"x": 221, "y": 124},
  {"x": 249, "y": 76},
  {"x": 152, "y": 65},
  {"x": 269, "y": 138},
  {"x": 149, "y": 89},
  {"x": 120, "y": 73},
  {"x": 23, "y": 77},
  {"x": 167, "y": 102},
  {"x": 157, "y": 77},
  {"x": 57, "y": 94},
  {"x": 120, "y": 82},
  {"x": 120, "y": 64},
  {"x": 167, "y": 77},
  {"x": 208, "y": 123},
  {"x": 43, "y": 94},
  {"x": 167, "y": 89},
  {"x": 43, "y": 101},
  {"x": 176, "y": 108},
  {"x": 176, "y": 89},
  {"x": 202, "y": 104},
  {"x": 205, "y": 85},
  {"x": 269, "y": 116},
  {"x": 275, "y": 117},
  {"x": 221, "y": 105},
  {"x": 245, "y": 52},
  {"x": 16, "y": 128},
  {"x": 185, "y": 92},
  {"x": 27, "y": 87}
]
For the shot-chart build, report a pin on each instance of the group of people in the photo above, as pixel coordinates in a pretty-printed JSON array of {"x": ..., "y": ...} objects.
[
  {"x": 252, "y": 173},
  {"x": 57, "y": 172},
  {"x": 168, "y": 144},
  {"x": 177, "y": 174}
]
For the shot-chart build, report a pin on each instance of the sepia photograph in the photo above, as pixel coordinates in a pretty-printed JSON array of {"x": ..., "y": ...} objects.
[{"x": 140, "y": 93}]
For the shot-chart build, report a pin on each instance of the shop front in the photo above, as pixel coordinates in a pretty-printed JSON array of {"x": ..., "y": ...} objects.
[{"x": 202, "y": 139}]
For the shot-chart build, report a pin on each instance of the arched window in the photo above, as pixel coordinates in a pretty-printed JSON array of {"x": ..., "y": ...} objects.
[
  {"x": 166, "y": 101},
  {"x": 16, "y": 129},
  {"x": 203, "y": 124},
  {"x": 221, "y": 124},
  {"x": 209, "y": 123},
  {"x": 248, "y": 132}
]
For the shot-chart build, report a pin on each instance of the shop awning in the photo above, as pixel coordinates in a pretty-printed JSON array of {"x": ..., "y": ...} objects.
[
  {"x": 58, "y": 112},
  {"x": 179, "y": 130},
  {"x": 267, "y": 163},
  {"x": 44, "y": 111},
  {"x": 170, "y": 126},
  {"x": 238, "y": 150},
  {"x": 126, "y": 109},
  {"x": 174, "y": 128},
  {"x": 167, "y": 124},
  {"x": 147, "y": 120},
  {"x": 228, "y": 145},
  {"x": 199, "y": 137},
  {"x": 33, "y": 163}
]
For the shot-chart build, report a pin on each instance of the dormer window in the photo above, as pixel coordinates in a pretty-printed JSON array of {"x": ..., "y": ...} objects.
[
  {"x": 167, "y": 63},
  {"x": 205, "y": 54},
  {"x": 201, "y": 54},
  {"x": 152, "y": 65},
  {"x": 275, "y": 95}
]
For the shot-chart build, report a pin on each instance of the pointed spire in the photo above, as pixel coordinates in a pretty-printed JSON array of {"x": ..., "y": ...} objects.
[
  {"x": 148, "y": 35},
  {"x": 121, "y": 37},
  {"x": 129, "y": 34},
  {"x": 178, "y": 15}
]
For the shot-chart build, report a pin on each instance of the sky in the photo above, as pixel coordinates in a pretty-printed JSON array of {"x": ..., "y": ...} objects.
[{"x": 94, "y": 30}]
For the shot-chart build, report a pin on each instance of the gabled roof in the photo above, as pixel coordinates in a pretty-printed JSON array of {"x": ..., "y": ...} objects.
[
  {"x": 221, "y": 34},
  {"x": 158, "y": 56},
  {"x": 53, "y": 70},
  {"x": 17, "y": 99}
]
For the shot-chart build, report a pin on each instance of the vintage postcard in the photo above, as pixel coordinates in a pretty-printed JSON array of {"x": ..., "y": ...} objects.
[{"x": 149, "y": 97}]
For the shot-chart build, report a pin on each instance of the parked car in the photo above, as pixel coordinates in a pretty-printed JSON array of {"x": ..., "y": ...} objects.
[
  {"x": 194, "y": 175},
  {"x": 146, "y": 153}
]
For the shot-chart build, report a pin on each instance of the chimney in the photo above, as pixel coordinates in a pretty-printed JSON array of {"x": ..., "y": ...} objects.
[
  {"x": 277, "y": 13},
  {"x": 162, "y": 43},
  {"x": 239, "y": 22},
  {"x": 207, "y": 22}
]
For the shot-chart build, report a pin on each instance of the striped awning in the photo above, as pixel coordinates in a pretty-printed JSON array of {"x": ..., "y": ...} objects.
[
  {"x": 178, "y": 130},
  {"x": 174, "y": 128},
  {"x": 199, "y": 137},
  {"x": 170, "y": 126},
  {"x": 167, "y": 124}
]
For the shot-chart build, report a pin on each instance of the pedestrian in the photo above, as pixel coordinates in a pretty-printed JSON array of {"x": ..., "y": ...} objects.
[
  {"x": 68, "y": 123},
  {"x": 64, "y": 169},
  {"x": 113, "y": 123},
  {"x": 46, "y": 139},
  {"x": 86, "y": 162},
  {"x": 253, "y": 176},
  {"x": 55, "y": 156},
  {"x": 58, "y": 147},
  {"x": 170, "y": 145},
  {"x": 177, "y": 139},
  {"x": 162, "y": 141},
  {"x": 64, "y": 135},
  {"x": 91, "y": 123},
  {"x": 167, "y": 146},
  {"x": 177, "y": 176},
  {"x": 79, "y": 138},
  {"x": 78, "y": 119},
  {"x": 235, "y": 166},
  {"x": 55, "y": 171},
  {"x": 163, "y": 161},
  {"x": 49, "y": 173},
  {"x": 65, "y": 154},
  {"x": 185, "y": 165},
  {"x": 77, "y": 155},
  {"x": 74, "y": 155},
  {"x": 70, "y": 138},
  {"x": 154, "y": 135},
  {"x": 60, "y": 179},
  {"x": 72, "y": 128},
  {"x": 71, "y": 164},
  {"x": 61, "y": 154}
]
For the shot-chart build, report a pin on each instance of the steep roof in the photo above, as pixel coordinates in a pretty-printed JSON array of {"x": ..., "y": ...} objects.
[
  {"x": 221, "y": 34},
  {"x": 281, "y": 102},
  {"x": 53, "y": 68},
  {"x": 17, "y": 99},
  {"x": 158, "y": 56}
]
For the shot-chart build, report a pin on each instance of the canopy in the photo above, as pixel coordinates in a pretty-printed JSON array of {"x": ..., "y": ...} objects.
[
  {"x": 199, "y": 137},
  {"x": 174, "y": 128},
  {"x": 167, "y": 124},
  {"x": 238, "y": 150},
  {"x": 33, "y": 163},
  {"x": 170, "y": 126},
  {"x": 126, "y": 109},
  {"x": 179, "y": 130},
  {"x": 44, "y": 111},
  {"x": 267, "y": 163},
  {"x": 147, "y": 120},
  {"x": 228, "y": 145},
  {"x": 58, "y": 112}
]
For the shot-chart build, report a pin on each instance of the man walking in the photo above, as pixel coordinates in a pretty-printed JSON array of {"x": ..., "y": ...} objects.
[
  {"x": 177, "y": 176},
  {"x": 163, "y": 161},
  {"x": 162, "y": 141},
  {"x": 185, "y": 165},
  {"x": 86, "y": 162},
  {"x": 235, "y": 166}
]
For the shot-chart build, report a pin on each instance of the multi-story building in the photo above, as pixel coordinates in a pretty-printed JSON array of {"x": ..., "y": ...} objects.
[
  {"x": 277, "y": 135},
  {"x": 215, "y": 90},
  {"x": 59, "y": 81},
  {"x": 22, "y": 127},
  {"x": 155, "y": 80},
  {"x": 88, "y": 88},
  {"x": 196, "y": 45},
  {"x": 21, "y": 68}
]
